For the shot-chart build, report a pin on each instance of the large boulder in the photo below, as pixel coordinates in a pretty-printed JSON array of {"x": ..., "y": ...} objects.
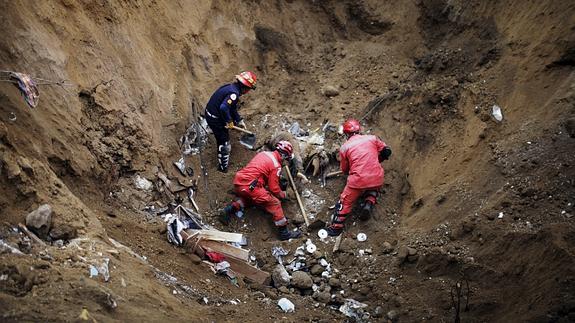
[{"x": 40, "y": 220}]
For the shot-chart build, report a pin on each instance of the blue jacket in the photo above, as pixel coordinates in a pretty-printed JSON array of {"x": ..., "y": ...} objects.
[{"x": 222, "y": 106}]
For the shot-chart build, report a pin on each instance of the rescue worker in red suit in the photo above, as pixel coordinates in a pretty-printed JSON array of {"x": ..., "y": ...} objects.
[
  {"x": 259, "y": 184},
  {"x": 222, "y": 114},
  {"x": 360, "y": 158}
]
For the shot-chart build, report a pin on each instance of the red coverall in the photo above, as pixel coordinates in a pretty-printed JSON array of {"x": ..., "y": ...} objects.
[
  {"x": 265, "y": 168},
  {"x": 359, "y": 157}
]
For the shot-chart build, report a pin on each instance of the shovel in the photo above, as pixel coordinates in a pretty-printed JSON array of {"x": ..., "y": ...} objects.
[{"x": 248, "y": 139}]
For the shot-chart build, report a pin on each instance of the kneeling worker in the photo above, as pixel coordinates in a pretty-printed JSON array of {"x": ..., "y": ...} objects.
[{"x": 258, "y": 184}]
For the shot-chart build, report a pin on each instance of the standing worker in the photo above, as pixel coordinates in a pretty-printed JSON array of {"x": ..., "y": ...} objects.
[
  {"x": 360, "y": 158},
  {"x": 222, "y": 114},
  {"x": 259, "y": 184}
]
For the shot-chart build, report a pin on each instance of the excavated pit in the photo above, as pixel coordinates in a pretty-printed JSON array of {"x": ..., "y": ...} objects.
[{"x": 467, "y": 199}]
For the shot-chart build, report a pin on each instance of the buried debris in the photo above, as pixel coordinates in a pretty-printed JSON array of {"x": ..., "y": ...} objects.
[
  {"x": 185, "y": 227},
  {"x": 286, "y": 305},
  {"x": 352, "y": 308}
]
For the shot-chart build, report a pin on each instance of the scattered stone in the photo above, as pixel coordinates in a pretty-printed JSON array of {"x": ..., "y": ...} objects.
[
  {"x": 402, "y": 253},
  {"x": 337, "y": 299},
  {"x": 387, "y": 247},
  {"x": 378, "y": 312},
  {"x": 280, "y": 276},
  {"x": 39, "y": 220},
  {"x": 284, "y": 290},
  {"x": 334, "y": 282},
  {"x": 393, "y": 315},
  {"x": 64, "y": 232},
  {"x": 196, "y": 260},
  {"x": 316, "y": 270},
  {"x": 301, "y": 280},
  {"x": 322, "y": 297},
  {"x": 330, "y": 91}
]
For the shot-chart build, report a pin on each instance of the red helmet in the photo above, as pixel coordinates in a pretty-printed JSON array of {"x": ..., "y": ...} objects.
[
  {"x": 351, "y": 126},
  {"x": 285, "y": 148},
  {"x": 248, "y": 79}
]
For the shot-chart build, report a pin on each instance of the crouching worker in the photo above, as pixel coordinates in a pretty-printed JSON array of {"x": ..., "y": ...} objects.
[
  {"x": 360, "y": 158},
  {"x": 258, "y": 184}
]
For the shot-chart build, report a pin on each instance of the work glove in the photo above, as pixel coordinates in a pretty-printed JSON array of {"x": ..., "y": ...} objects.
[
  {"x": 384, "y": 154},
  {"x": 242, "y": 124},
  {"x": 230, "y": 125},
  {"x": 283, "y": 183},
  {"x": 285, "y": 197}
]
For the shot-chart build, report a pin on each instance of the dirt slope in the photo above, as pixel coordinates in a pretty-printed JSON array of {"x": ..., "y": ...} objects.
[{"x": 425, "y": 74}]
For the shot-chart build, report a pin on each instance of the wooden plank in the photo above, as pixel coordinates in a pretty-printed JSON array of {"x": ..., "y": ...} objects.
[
  {"x": 32, "y": 236},
  {"x": 217, "y": 235},
  {"x": 225, "y": 249},
  {"x": 250, "y": 272}
]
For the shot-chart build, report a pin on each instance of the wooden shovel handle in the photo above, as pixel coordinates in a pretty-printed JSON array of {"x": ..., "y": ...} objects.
[
  {"x": 242, "y": 130},
  {"x": 297, "y": 196}
]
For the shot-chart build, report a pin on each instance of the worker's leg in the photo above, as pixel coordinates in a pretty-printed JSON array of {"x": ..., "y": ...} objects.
[
  {"x": 264, "y": 199},
  {"x": 369, "y": 200},
  {"x": 342, "y": 208},
  {"x": 224, "y": 147}
]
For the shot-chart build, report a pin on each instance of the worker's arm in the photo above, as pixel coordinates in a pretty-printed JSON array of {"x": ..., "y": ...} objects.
[
  {"x": 384, "y": 151},
  {"x": 343, "y": 163},
  {"x": 274, "y": 183},
  {"x": 228, "y": 106}
]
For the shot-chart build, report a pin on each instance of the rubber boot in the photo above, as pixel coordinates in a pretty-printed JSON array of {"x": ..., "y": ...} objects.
[
  {"x": 286, "y": 234},
  {"x": 334, "y": 232},
  {"x": 366, "y": 211},
  {"x": 226, "y": 215}
]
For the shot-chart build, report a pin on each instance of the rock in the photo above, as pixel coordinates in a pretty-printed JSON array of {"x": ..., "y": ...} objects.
[
  {"x": 330, "y": 91},
  {"x": 402, "y": 253},
  {"x": 334, "y": 282},
  {"x": 280, "y": 276},
  {"x": 196, "y": 260},
  {"x": 317, "y": 255},
  {"x": 284, "y": 290},
  {"x": 393, "y": 315},
  {"x": 378, "y": 312},
  {"x": 387, "y": 247},
  {"x": 337, "y": 299},
  {"x": 316, "y": 270},
  {"x": 322, "y": 297},
  {"x": 411, "y": 251},
  {"x": 63, "y": 232},
  {"x": 39, "y": 221},
  {"x": 301, "y": 280}
]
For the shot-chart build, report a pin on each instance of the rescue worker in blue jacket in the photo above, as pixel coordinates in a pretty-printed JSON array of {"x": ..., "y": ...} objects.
[{"x": 222, "y": 113}]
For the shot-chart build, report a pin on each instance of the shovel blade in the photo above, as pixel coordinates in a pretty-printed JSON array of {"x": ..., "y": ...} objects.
[{"x": 248, "y": 141}]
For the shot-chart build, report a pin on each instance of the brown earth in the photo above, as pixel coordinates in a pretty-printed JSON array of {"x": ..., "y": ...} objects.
[{"x": 427, "y": 71}]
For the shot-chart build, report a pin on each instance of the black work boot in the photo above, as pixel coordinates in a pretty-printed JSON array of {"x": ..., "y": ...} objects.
[
  {"x": 366, "y": 211},
  {"x": 226, "y": 215},
  {"x": 333, "y": 231},
  {"x": 286, "y": 234}
]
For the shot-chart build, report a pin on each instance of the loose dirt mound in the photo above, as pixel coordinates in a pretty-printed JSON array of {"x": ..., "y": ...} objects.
[{"x": 467, "y": 198}]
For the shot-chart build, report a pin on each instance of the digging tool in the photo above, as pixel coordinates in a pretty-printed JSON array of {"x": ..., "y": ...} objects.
[
  {"x": 248, "y": 139},
  {"x": 333, "y": 174},
  {"x": 297, "y": 196}
]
